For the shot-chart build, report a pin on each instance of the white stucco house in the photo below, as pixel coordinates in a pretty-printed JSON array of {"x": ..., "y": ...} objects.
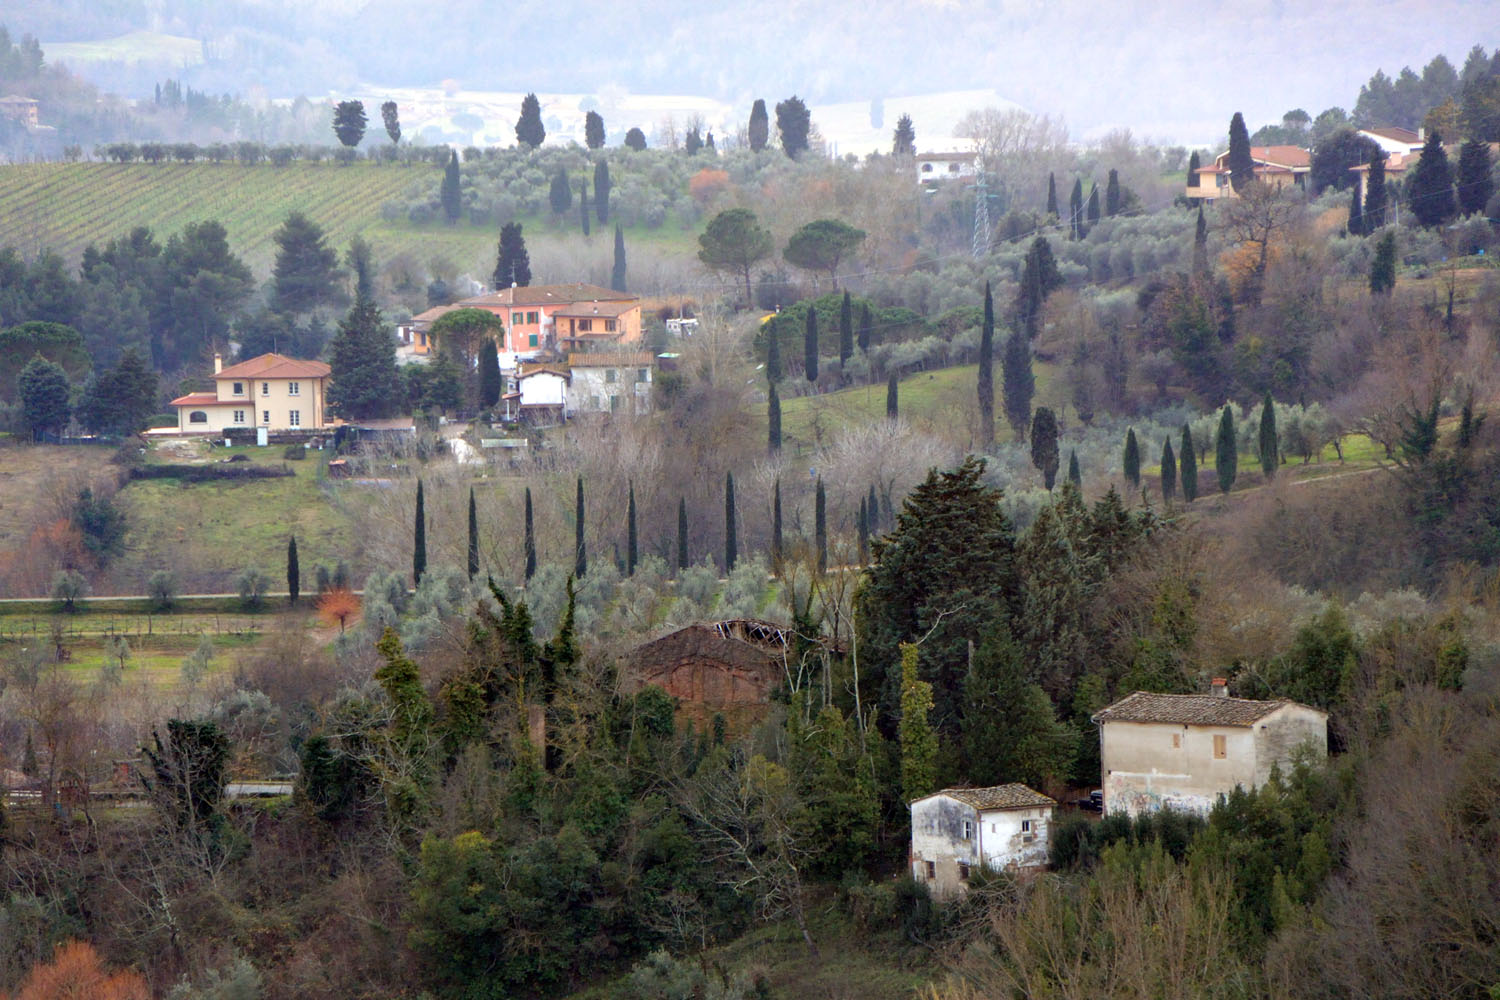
[
  {"x": 618, "y": 383},
  {"x": 954, "y": 165},
  {"x": 1184, "y": 751},
  {"x": 540, "y": 395},
  {"x": 957, "y": 830}
]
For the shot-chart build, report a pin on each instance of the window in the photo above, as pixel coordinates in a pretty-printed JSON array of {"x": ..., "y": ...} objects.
[
  {"x": 1025, "y": 826},
  {"x": 968, "y": 830},
  {"x": 265, "y": 416},
  {"x": 1028, "y": 831},
  {"x": 614, "y": 404},
  {"x": 929, "y": 868},
  {"x": 294, "y": 417},
  {"x": 1176, "y": 741},
  {"x": 239, "y": 388},
  {"x": 265, "y": 388},
  {"x": 531, "y": 340},
  {"x": 644, "y": 375},
  {"x": 609, "y": 326},
  {"x": 953, "y": 168},
  {"x": 926, "y": 168},
  {"x": 197, "y": 417},
  {"x": 531, "y": 317},
  {"x": 610, "y": 374},
  {"x": 1221, "y": 751},
  {"x": 239, "y": 416},
  {"x": 963, "y": 871},
  {"x": 515, "y": 319},
  {"x": 585, "y": 326},
  {"x": 294, "y": 388}
]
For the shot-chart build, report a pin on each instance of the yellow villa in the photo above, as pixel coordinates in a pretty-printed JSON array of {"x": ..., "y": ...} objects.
[{"x": 271, "y": 391}]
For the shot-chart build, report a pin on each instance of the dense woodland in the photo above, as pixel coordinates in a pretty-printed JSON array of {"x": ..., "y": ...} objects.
[{"x": 485, "y": 805}]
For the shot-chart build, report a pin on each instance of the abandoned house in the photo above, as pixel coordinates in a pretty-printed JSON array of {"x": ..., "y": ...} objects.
[
  {"x": 727, "y": 666},
  {"x": 957, "y": 830},
  {"x": 1183, "y": 751}
]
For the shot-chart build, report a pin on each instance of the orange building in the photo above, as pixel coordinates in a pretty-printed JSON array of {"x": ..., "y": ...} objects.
[{"x": 537, "y": 318}]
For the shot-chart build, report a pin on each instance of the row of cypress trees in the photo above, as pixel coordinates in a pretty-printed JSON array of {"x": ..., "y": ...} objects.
[{"x": 1183, "y": 472}]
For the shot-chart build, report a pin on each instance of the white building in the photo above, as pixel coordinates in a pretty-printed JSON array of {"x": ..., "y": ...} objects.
[
  {"x": 933, "y": 168},
  {"x": 540, "y": 396},
  {"x": 956, "y": 830},
  {"x": 1184, "y": 751},
  {"x": 609, "y": 383},
  {"x": 1395, "y": 140}
]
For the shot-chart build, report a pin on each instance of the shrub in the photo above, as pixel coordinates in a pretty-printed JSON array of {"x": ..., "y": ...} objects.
[
  {"x": 69, "y": 587},
  {"x": 253, "y": 585},
  {"x": 295, "y": 452},
  {"x": 162, "y": 589}
]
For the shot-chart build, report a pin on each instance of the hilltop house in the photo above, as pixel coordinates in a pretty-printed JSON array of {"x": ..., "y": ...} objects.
[
  {"x": 957, "y": 830},
  {"x": 933, "y": 168},
  {"x": 1278, "y": 166},
  {"x": 271, "y": 391},
  {"x": 538, "y": 318},
  {"x": 1183, "y": 751}
]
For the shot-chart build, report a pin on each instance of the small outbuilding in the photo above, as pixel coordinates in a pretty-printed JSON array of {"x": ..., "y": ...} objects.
[{"x": 957, "y": 830}]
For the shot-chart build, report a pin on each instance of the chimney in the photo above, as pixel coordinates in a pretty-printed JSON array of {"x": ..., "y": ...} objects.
[
  {"x": 1220, "y": 687},
  {"x": 218, "y": 362}
]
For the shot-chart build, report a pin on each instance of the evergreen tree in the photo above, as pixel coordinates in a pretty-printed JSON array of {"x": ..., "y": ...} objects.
[
  {"x": 846, "y": 331},
  {"x": 918, "y": 740},
  {"x": 987, "y": 373},
  {"x": 1475, "y": 180},
  {"x": 1192, "y": 172},
  {"x": 419, "y": 542},
  {"x": 635, "y": 139},
  {"x": 560, "y": 194},
  {"x": 776, "y": 543},
  {"x": 1188, "y": 466},
  {"x": 731, "y": 539},
  {"x": 293, "y": 572},
  {"x": 866, "y": 326},
  {"x": 904, "y": 141},
  {"x": 583, "y": 205},
  {"x": 1269, "y": 458},
  {"x": 820, "y": 525},
  {"x": 692, "y": 142},
  {"x": 1010, "y": 730},
  {"x": 1112, "y": 193},
  {"x": 1132, "y": 460},
  {"x": 473, "y": 565},
  {"x": 1383, "y": 266},
  {"x": 793, "y": 123},
  {"x": 1356, "y": 225},
  {"x": 632, "y": 540},
  {"x": 1040, "y": 277},
  {"x": 1092, "y": 213},
  {"x": 121, "y": 400},
  {"x": 1430, "y": 185},
  {"x": 530, "y": 551},
  {"x": 810, "y": 345},
  {"x": 450, "y": 193},
  {"x": 682, "y": 534},
  {"x": 360, "y": 258},
  {"x": 760, "y": 126},
  {"x": 1075, "y": 474},
  {"x": 617, "y": 274},
  {"x": 1168, "y": 471},
  {"x": 513, "y": 263},
  {"x": 602, "y": 186},
  {"x": 1044, "y": 451},
  {"x": 390, "y": 115},
  {"x": 306, "y": 273},
  {"x": 1200, "y": 245},
  {"x": 349, "y": 122},
  {"x": 1226, "y": 451},
  {"x": 1240, "y": 162},
  {"x": 1375, "y": 195},
  {"x": 1018, "y": 381},
  {"x": 529, "y": 128},
  {"x": 773, "y": 356},
  {"x": 1052, "y": 196},
  {"x": 773, "y": 419},
  {"x": 872, "y": 506},
  {"x": 490, "y": 381},
  {"x": 892, "y": 403},
  {"x": 1075, "y": 211},
  {"x": 580, "y": 551},
  {"x": 862, "y": 529},
  {"x": 362, "y": 361},
  {"x": 593, "y": 131}
]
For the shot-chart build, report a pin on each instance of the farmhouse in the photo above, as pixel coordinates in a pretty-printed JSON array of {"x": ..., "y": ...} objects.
[
  {"x": 271, "y": 391},
  {"x": 1183, "y": 751},
  {"x": 1278, "y": 166},
  {"x": 957, "y": 830},
  {"x": 542, "y": 318},
  {"x": 540, "y": 395},
  {"x": 933, "y": 168},
  {"x": 609, "y": 383}
]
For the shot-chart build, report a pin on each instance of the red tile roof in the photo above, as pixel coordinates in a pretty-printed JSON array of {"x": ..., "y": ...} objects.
[
  {"x": 275, "y": 366},
  {"x": 626, "y": 359},
  {"x": 547, "y": 295},
  {"x": 199, "y": 399},
  {"x": 588, "y": 310}
]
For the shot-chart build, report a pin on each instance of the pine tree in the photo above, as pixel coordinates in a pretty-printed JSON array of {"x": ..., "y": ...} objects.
[
  {"x": 583, "y": 205},
  {"x": 1429, "y": 188},
  {"x": 1240, "y": 162},
  {"x": 1132, "y": 460},
  {"x": 529, "y": 128},
  {"x": 1044, "y": 451},
  {"x": 580, "y": 550},
  {"x": 731, "y": 538},
  {"x": 1112, "y": 193},
  {"x": 892, "y": 403},
  {"x": 820, "y": 525},
  {"x": 987, "y": 373},
  {"x": 632, "y": 540},
  {"x": 1200, "y": 245},
  {"x": 419, "y": 545},
  {"x": 1375, "y": 195},
  {"x": 1075, "y": 211},
  {"x": 810, "y": 345},
  {"x": 1356, "y": 225},
  {"x": 450, "y": 193},
  {"x": 1018, "y": 381},
  {"x": 362, "y": 357},
  {"x": 1475, "y": 181},
  {"x": 349, "y": 122},
  {"x": 1383, "y": 266},
  {"x": 760, "y": 126},
  {"x": 904, "y": 140},
  {"x": 846, "y": 331},
  {"x": 473, "y": 566},
  {"x": 1226, "y": 452},
  {"x": 773, "y": 419},
  {"x": 776, "y": 544},
  {"x": 1269, "y": 459},
  {"x": 1052, "y": 196},
  {"x": 1188, "y": 466},
  {"x": 513, "y": 263},
  {"x": 1075, "y": 474},
  {"x": 617, "y": 275},
  {"x": 793, "y": 122},
  {"x": 602, "y": 186},
  {"x": 1168, "y": 471},
  {"x": 918, "y": 741},
  {"x": 293, "y": 572},
  {"x": 593, "y": 131},
  {"x": 530, "y": 539},
  {"x": 682, "y": 533},
  {"x": 866, "y": 326}
]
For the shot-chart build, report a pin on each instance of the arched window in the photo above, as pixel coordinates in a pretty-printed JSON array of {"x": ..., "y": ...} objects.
[{"x": 197, "y": 417}]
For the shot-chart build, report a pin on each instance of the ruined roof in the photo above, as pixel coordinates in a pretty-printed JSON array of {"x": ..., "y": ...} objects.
[
  {"x": 1012, "y": 796},
  {"x": 1189, "y": 709}
]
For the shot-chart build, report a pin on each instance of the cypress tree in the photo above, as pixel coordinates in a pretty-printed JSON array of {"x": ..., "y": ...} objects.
[
  {"x": 1044, "y": 444},
  {"x": 682, "y": 539},
  {"x": 1132, "y": 460},
  {"x": 293, "y": 573},
  {"x": 473, "y": 536},
  {"x": 1269, "y": 457},
  {"x": 1241, "y": 164},
  {"x": 419, "y": 546},
  {"x": 1383, "y": 266},
  {"x": 1018, "y": 381},
  {"x": 602, "y": 185},
  {"x": 866, "y": 326},
  {"x": 529, "y": 128},
  {"x": 1200, "y": 245},
  {"x": 1356, "y": 212},
  {"x": 617, "y": 275},
  {"x": 1226, "y": 453},
  {"x": 820, "y": 525},
  {"x": 1075, "y": 211},
  {"x": 773, "y": 356},
  {"x": 987, "y": 373},
  {"x": 810, "y": 344},
  {"x": 1052, "y": 195},
  {"x": 1168, "y": 471},
  {"x": 580, "y": 549},
  {"x": 583, "y": 204},
  {"x": 918, "y": 740},
  {"x": 760, "y": 126},
  {"x": 773, "y": 419},
  {"x": 1188, "y": 467},
  {"x": 776, "y": 549},
  {"x": 1075, "y": 474},
  {"x": 490, "y": 382},
  {"x": 892, "y": 404},
  {"x": 450, "y": 194},
  {"x": 1430, "y": 184},
  {"x": 872, "y": 508},
  {"x": 1093, "y": 210},
  {"x": 632, "y": 540},
  {"x": 731, "y": 538},
  {"x": 560, "y": 194},
  {"x": 1192, "y": 174},
  {"x": 1374, "y": 214},
  {"x": 1112, "y": 193},
  {"x": 862, "y": 527},
  {"x": 846, "y": 330},
  {"x": 530, "y": 538}
]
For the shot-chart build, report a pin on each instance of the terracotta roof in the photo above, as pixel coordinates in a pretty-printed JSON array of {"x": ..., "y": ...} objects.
[
  {"x": 1189, "y": 709},
  {"x": 628, "y": 359},
  {"x": 428, "y": 315},
  {"x": 546, "y": 295},
  {"x": 591, "y": 309},
  {"x": 1013, "y": 796},
  {"x": 275, "y": 366},
  {"x": 1395, "y": 133},
  {"x": 547, "y": 370},
  {"x": 1284, "y": 156},
  {"x": 201, "y": 399}
]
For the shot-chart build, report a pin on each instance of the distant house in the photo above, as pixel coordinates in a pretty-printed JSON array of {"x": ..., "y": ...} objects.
[
  {"x": 1397, "y": 164},
  {"x": 539, "y": 318},
  {"x": 957, "y": 830},
  {"x": 934, "y": 168},
  {"x": 1184, "y": 751},
  {"x": 1394, "y": 140},
  {"x": 609, "y": 383},
  {"x": 271, "y": 391},
  {"x": 540, "y": 395},
  {"x": 24, "y": 111},
  {"x": 1278, "y": 166}
]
